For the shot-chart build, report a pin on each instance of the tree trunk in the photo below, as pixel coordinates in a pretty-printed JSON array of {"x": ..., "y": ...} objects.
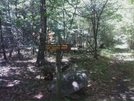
[
  {"x": 33, "y": 50},
  {"x": 43, "y": 23},
  {"x": 40, "y": 56},
  {"x": 95, "y": 31},
  {"x": 19, "y": 54},
  {"x": 95, "y": 23},
  {"x": 2, "y": 42},
  {"x": 10, "y": 52},
  {"x": 11, "y": 37},
  {"x": 58, "y": 75}
]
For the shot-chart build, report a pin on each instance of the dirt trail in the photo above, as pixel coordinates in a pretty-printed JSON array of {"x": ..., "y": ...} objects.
[{"x": 122, "y": 89}]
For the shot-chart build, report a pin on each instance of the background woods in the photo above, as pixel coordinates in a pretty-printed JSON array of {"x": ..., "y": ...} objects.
[
  {"x": 25, "y": 23},
  {"x": 99, "y": 56}
]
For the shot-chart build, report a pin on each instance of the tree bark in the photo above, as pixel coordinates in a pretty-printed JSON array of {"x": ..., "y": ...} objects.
[
  {"x": 43, "y": 24},
  {"x": 11, "y": 37},
  {"x": 2, "y": 42}
]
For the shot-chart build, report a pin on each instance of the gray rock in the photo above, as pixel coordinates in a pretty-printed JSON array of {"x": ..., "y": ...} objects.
[{"x": 71, "y": 82}]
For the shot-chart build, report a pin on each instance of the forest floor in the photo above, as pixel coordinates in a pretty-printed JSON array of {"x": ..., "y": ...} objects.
[{"x": 22, "y": 79}]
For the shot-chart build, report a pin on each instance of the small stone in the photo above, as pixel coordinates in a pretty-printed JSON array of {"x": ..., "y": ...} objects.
[{"x": 132, "y": 98}]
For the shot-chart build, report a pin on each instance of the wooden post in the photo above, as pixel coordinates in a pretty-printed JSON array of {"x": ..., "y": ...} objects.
[
  {"x": 58, "y": 75},
  {"x": 58, "y": 48},
  {"x": 58, "y": 71}
]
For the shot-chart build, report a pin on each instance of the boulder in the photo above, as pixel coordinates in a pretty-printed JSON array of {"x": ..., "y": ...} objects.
[{"x": 71, "y": 82}]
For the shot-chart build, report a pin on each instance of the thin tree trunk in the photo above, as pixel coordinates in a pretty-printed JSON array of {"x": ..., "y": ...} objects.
[
  {"x": 2, "y": 42},
  {"x": 96, "y": 22},
  {"x": 33, "y": 48},
  {"x": 94, "y": 31},
  {"x": 58, "y": 76},
  {"x": 11, "y": 38},
  {"x": 58, "y": 71}
]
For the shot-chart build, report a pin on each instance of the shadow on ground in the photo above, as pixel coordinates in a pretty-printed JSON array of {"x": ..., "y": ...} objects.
[{"x": 21, "y": 80}]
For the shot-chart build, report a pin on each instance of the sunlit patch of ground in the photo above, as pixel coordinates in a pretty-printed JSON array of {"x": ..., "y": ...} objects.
[
  {"x": 122, "y": 46},
  {"x": 122, "y": 52},
  {"x": 53, "y": 59},
  {"x": 124, "y": 56}
]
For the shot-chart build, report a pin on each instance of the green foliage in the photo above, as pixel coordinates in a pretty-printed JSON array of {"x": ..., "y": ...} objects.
[
  {"x": 100, "y": 72},
  {"x": 131, "y": 1},
  {"x": 18, "y": 23},
  {"x": 130, "y": 42},
  {"x": 97, "y": 70},
  {"x": 129, "y": 29},
  {"x": 76, "y": 19},
  {"x": 46, "y": 14},
  {"x": 66, "y": 99}
]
